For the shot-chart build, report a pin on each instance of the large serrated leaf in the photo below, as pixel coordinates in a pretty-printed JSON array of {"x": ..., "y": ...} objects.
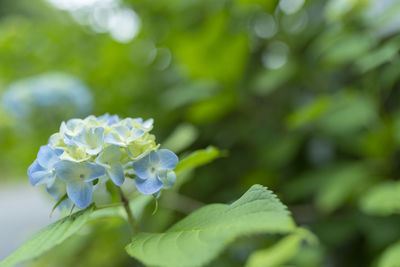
[
  {"x": 49, "y": 237},
  {"x": 202, "y": 235}
]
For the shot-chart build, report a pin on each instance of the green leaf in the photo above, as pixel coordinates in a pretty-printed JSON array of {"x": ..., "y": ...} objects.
[
  {"x": 283, "y": 251},
  {"x": 382, "y": 199},
  {"x": 201, "y": 236},
  {"x": 49, "y": 237},
  {"x": 391, "y": 256},
  {"x": 308, "y": 113},
  {"x": 343, "y": 182},
  {"x": 183, "y": 136},
  {"x": 57, "y": 232},
  {"x": 267, "y": 81},
  {"x": 198, "y": 158},
  {"x": 377, "y": 57}
]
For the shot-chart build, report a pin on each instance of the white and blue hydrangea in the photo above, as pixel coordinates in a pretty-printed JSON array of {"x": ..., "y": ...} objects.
[
  {"x": 154, "y": 170},
  {"x": 97, "y": 150}
]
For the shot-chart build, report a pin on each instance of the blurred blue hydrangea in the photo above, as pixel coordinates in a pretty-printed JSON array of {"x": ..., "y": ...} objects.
[
  {"x": 54, "y": 92},
  {"x": 89, "y": 152}
]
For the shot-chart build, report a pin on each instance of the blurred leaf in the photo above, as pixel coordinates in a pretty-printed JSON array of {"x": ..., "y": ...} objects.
[
  {"x": 182, "y": 137},
  {"x": 396, "y": 128},
  {"x": 194, "y": 160},
  {"x": 341, "y": 114},
  {"x": 198, "y": 158},
  {"x": 283, "y": 251},
  {"x": 269, "y": 80},
  {"x": 349, "y": 113},
  {"x": 207, "y": 51},
  {"x": 305, "y": 185},
  {"x": 391, "y": 256},
  {"x": 377, "y": 57},
  {"x": 382, "y": 199},
  {"x": 281, "y": 150},
  {"x": 348, "y": 48},
  {"x": 337, "y": 9},
  {"x": 49, "y": 237},
  {"x": 188, "y": 93},
  {"x": 212, "y": 109},
  {"x": 202, "y": 235},
  {"x": 308, "y": 113},
  {"x": 341, "y": 182}
]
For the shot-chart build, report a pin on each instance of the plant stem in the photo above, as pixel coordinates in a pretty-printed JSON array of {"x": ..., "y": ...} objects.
[{"x": 128, "y": 210}]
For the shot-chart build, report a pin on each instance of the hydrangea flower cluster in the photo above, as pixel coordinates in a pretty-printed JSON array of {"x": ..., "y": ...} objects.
[{"x": 87, "y": 152}]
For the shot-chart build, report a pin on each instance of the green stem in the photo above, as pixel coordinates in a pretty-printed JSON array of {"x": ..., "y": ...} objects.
[{"x": 128, "y": 210}]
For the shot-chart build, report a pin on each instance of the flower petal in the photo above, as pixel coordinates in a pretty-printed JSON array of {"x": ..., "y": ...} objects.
[
  {"x": 94, "y": 140},
  {"x": 69, "y": 171},
  {"x": 47, "y": 157},
  {"x": 135, "y": 134},
  {"x": 93, "y": 171},
  {"x": 56, "y": 189},
  {"x": 116, "y": 173},
  {"x": 148, "y": 124},
  {"x": 110, "y": 119},
  {"x": 39, "y": 175},
  {"x": 113, "y": 138},
  {"x": 75, "y": 153},
  {"x": 72, "y": 127},
  {"x": 122, "y": 131},
  {"x": 169, "y": 180},
  {"x": 168, "y": 159},
  {"x": 110, "y": 155},
  {"x": 153, "y": 157},
  {"x": 142, "y": 167},
  {"x": 148, "y": 186},
  {"x": 80, "y": 193}
]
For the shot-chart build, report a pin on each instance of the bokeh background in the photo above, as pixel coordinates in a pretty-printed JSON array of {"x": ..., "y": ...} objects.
[{"x": 304, "y": 95}]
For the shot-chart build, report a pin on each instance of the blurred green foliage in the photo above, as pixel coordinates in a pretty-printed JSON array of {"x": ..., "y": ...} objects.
[{"x": 307, "y": 105}]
